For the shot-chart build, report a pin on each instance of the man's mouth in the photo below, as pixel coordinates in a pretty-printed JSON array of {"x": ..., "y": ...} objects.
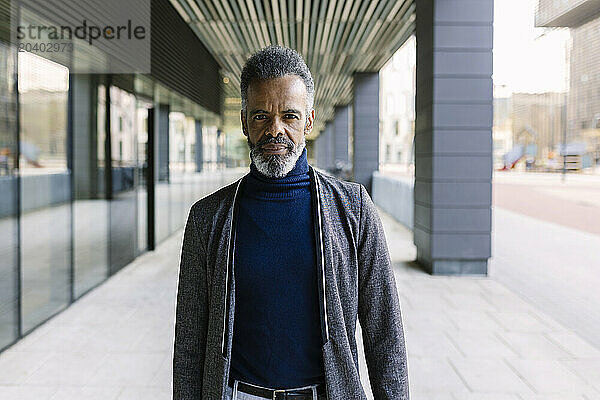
[{"x": 274, "y": 148}]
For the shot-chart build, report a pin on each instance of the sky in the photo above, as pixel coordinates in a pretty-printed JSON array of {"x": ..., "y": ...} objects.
[{"x": 527, "y": 59}]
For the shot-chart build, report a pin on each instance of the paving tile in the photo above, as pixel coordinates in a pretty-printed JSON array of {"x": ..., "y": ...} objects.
[
  {"x": 464, "y": 285},
  {"x": 86, "y": 393},
  {"x": 16, "y": 366},
  {"x": 434, "y": 375},
  {"x": 533, "y": 346},
  {"x": 520, "y": 322},
  {"x": 574, "y": 345},
  {"x": 66, "y": 369},
  {"x": 473, "y": 320},
  {"x": 430, "y": 344},
  {"x": 554, "y": 397},
  {"x": 492, "y": 288},
  {"x": 549, "y": 377},
  {"x": 430, "y": 396},
  {"x": 588, "y": 369},
  {"x": 164, "y": 375},
  {"x": 424, "y": 320},
  {"x": 486, "y": 396},
  {"x": 489, "y": 375},
  {"x": 27, "y": 392},
  {"x": 480, "y": 344},
  {"x": 133, "y": 369},
  {"x": 468, "y": 301},
  {"x": 62, "y": 338},
  {"x": 508, "y": 303},
  {"x": 430, "y": 303},
  {"x": 141, "y": 393}
]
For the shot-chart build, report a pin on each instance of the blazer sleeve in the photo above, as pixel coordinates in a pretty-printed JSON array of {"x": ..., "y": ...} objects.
[
  {"x": 191, "y": 315},
  {"x": 379, "y": 309}
]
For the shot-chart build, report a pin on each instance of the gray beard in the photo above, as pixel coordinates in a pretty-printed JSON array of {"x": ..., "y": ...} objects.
[{"x": 276, "y": 165}]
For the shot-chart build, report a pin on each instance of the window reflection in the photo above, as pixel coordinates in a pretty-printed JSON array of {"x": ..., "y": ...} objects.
[
  {"x": 45, "y": 188},
  {"x": 8, "y": 199}
]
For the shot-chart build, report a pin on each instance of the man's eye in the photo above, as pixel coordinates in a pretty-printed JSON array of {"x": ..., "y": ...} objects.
[
  {"x": 257, "y": 117},
  {"x": 291, "y": 116}
]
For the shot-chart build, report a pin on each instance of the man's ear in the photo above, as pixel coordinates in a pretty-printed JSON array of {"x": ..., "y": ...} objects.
[
  {"x": 310, "y": 119},
  {"x": 244, "y": 125}
]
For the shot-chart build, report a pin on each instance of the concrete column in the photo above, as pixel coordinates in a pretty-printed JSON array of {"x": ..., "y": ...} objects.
[
  {"x": 199, "y": 156},
  {"x": 453, "y": 136},
  {"x": 365, "y": 110},
  {"x": 341, "y": 134},
  {"x": 162, "y": 142}
]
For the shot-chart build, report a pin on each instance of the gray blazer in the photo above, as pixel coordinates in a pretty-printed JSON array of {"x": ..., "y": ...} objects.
[{"x": 355, "y": 278}]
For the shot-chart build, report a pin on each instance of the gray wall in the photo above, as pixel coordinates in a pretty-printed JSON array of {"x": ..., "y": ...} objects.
[
  {"x": 395, "y": 195},
  {"x": 453, "y": 138},
  {"x": 365, "y": 110},
  {"x": 199, "y": 155},
  {"x": 324, "y": 147},
  {"x": 37, "y": 191},
  {"x": 87, "y": 180},
  {"x": 341, "y": 134},
  {"x": 162, "y": 141}
]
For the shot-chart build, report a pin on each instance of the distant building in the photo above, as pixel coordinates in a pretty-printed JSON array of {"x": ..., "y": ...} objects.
[
  {"x": 397, "y": 106},
  {"x": 537, "y": 122},
  {"x": 583, "y": 101},
  {"x": 502, "y": 132}
]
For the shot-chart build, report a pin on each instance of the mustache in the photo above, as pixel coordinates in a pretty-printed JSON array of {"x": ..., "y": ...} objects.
[{"x": 275, "y": 140}]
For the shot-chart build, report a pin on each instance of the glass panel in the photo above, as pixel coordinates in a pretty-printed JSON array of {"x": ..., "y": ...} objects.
[
  {"x": 190, "y": 163},
  {"x": 123, "y": 206},
  {"x": 142, "y": 188},
  {"x": 161, "y": 186},
  {"x": 176, "y": 169},
  {"x": 45, "y": 188},
  {"x": 9, "y": 329},
  {"x": 90, "y": 208}
]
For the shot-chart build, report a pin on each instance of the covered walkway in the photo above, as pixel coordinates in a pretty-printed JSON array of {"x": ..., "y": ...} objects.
[{"x": 467, "y": 338}]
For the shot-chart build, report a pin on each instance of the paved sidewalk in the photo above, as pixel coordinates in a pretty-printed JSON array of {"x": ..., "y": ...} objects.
[{"x": 467, "y": 338}]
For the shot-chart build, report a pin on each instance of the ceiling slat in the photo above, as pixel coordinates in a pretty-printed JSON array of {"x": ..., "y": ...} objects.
[{"x": 336, "y": 37}]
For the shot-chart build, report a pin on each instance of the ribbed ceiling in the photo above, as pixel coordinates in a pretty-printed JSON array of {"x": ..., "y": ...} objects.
[{"x": 336, "y": 38}]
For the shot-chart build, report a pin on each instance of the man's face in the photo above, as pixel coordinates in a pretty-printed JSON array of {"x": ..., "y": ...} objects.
[{"x": 276, "y": 122}]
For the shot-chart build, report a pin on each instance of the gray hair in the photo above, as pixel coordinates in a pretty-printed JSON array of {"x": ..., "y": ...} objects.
[{"x": 275, "y": 62}]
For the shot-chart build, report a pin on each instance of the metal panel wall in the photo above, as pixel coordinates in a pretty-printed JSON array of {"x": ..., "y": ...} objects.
[
  {"x": 366, "y": 127},
  {"x": 341, "y": 126},
  {"x": 453, "y": 136},
  {"x": 180, "y": 61}
]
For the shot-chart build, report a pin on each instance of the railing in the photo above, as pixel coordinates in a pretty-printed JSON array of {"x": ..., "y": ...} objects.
[{"x": 394, "y": 195}]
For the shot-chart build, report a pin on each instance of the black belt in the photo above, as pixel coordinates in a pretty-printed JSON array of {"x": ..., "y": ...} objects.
[{"x": 283, "y": 394}]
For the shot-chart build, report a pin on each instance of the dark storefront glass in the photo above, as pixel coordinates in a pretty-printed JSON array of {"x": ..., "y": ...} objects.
[
  {"x": 161, "y": 185},
  {"x": 9, "y": 305},
  {"x": 176, "y": 169},
  {"x": 45, "y": 189},
  {"x": 142, "y": 165},
  {"x": 123, "y": 205},
  {"x": 90, "y": 208}
]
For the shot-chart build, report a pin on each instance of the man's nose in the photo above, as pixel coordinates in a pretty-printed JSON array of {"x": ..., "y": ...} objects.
[{"x": 276, "y": 128}]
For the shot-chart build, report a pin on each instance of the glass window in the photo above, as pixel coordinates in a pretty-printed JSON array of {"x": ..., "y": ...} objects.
[
  {"x": 9, "y": 329},
  {"x": 45, "y": 188},
  {"x": 90, "y": 207}
]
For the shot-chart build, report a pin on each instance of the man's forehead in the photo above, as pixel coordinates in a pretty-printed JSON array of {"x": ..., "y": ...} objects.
[{"x": 290, "y": 84}]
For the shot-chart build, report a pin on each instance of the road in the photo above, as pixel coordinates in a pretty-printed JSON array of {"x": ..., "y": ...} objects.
[{"x": 545, "y": 245}]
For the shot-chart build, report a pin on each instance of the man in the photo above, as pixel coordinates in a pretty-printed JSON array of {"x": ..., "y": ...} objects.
[{"x": 292, "y": 255}]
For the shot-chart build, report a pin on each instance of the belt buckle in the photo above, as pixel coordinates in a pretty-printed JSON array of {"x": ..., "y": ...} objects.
[{"x": 277, "y": 391}]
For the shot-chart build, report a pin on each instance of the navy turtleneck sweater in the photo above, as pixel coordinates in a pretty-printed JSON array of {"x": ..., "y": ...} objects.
[{"x": 276, "y": 331}]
